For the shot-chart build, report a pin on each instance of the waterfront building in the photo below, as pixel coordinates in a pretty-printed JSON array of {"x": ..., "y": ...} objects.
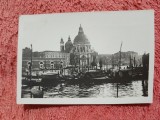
[
  {"x": 129, "y": 58},
  {"x": 45, "y": 60}
]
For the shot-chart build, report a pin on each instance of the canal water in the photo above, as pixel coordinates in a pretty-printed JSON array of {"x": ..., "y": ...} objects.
[{"x": 101, "y": 90}]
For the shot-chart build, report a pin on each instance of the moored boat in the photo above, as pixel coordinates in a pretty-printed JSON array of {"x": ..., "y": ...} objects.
[
  {"x": 95, "y": 76},
  {"x": 50, "y": 78}
]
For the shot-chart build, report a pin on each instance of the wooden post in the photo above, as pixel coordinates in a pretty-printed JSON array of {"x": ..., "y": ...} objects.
[
  {"x": 112, "y": 62},
  {"x": 31, "y": 65},
  {"x": 88, "y": 63},
  {"x": 119, "y": 66},
  {"x": 134, "y": 62},
  {"x": 120, "y": 56},
  {"x": 45, "y": 65},
  {"x": 130, "y": 62},
  {"x": 31, "y": 70},
  {"x": 117, "y": 89}
]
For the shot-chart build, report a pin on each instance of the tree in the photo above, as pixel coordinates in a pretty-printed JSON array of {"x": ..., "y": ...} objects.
[{"x": 26, "y": 52}]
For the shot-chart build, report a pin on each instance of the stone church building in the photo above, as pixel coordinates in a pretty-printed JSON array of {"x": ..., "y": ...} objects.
[{"x": 80, "y": 50}]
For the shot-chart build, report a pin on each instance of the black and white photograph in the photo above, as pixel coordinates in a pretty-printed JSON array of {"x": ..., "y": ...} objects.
[{"x": 86, "y": 58}]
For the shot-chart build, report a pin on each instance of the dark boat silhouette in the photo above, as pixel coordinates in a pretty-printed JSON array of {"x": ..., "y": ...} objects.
[{"x": 50, "y": 78}]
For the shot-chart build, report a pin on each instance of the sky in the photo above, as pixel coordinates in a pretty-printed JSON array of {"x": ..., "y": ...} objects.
[{"x": 104, "y": 30}]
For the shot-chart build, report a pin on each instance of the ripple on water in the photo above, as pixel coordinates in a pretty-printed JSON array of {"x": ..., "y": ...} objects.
[{"x": 103, "y": 90}]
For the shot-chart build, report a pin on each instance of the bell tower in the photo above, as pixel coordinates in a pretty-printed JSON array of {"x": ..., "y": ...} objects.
[{"x": 62, "y": 45}]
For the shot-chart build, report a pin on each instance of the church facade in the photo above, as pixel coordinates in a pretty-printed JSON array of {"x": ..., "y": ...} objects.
[{"x": 80, "y": 50}]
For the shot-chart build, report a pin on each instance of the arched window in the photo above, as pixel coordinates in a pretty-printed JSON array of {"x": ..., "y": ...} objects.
[
  {"x": 52, "y": 64},
  {"x": 29, "y": 64},
  {"x": 81, "y": 49},
  {"x": 41, "y": 65}
]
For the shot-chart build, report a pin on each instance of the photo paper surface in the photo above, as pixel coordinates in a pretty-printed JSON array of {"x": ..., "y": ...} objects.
[{"x": 86, "y": 58}]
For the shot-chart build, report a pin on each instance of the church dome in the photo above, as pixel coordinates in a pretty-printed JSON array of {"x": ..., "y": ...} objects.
[
  {"x": 68, "y": 45},
  {"x": 81, "y": 37}
]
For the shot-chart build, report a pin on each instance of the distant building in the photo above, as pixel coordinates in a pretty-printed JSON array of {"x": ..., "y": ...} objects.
[
  {"x": 129, "y": 58},
  {"x": 57, "y": 55},
  {"x": 45, "y": 59},
  {"x": 106, "y": 60}
]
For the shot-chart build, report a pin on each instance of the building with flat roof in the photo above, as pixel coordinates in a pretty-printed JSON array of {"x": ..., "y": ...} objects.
[{"x": 45, "y": 59}]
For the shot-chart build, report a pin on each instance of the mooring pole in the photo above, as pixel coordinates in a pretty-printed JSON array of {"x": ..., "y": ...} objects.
[
  {"x": 31, "y": 70},
  {"x": 134, "y": 62},
  {"x": 31, "y": 65},
  {"x": 88, "y": 62},
  {"x": 117, "y": 89},
  {"x": 119, "y": 66}
]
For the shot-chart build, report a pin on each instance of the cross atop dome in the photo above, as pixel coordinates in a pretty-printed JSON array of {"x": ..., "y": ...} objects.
[
  {"x": 80, "y": 29},
  {"x": 69, "y": 39}
]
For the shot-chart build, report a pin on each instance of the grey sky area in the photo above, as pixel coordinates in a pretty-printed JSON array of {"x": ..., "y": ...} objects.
[{"x": 105, "y": 30}]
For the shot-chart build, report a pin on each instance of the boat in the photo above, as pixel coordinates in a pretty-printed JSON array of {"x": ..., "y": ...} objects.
[
  {"x": 50, "y": 78},
  {"x": 95, "y": 76},
  {"x": 34, "y": 80},
  {"x": 50, "y": 75}
]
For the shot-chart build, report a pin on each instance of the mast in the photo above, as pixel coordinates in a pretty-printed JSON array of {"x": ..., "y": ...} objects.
[
  {"x": 130, "y": 61},
  {"x": 45, "y": 65},
  {"x": 134, "y": 62},
  {"x": 31, "y": 70},
  {"x": 119, "y": 64},
  {"x": 88, "y": 60},
  {"x": 31, "y": 65},
  {"x": 112, "y": 61},
  {"x": 120, "y": 56}
]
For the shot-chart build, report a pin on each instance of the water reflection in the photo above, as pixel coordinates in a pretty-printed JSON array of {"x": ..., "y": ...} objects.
[{"x": 101, "y": 90}]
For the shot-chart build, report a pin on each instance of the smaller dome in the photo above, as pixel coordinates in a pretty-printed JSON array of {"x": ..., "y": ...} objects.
[{"x": 68, "y": 45}]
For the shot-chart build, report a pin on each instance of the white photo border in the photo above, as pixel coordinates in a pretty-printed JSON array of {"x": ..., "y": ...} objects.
[{"x": 66, "y": 101}]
